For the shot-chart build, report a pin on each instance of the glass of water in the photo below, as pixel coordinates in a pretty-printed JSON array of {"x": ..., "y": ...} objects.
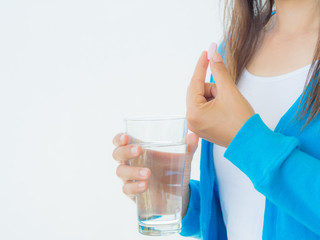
[{"x": 164, "y": 144}]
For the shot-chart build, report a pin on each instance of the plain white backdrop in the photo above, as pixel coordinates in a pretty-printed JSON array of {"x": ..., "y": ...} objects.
[{"x": 69, "y": 72}]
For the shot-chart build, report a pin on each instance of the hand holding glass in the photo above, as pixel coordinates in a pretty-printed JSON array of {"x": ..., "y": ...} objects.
[{"x": 164, "y": 142}]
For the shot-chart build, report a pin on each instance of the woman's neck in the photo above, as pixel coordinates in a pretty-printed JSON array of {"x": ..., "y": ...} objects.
[{"x": 296, "y": 16}]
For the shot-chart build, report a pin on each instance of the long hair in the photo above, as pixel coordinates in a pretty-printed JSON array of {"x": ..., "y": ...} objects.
[{"x": 244, "y": 21}]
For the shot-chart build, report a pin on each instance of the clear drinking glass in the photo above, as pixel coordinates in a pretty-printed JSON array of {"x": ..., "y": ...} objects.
[{"x": 164, "y": 144}]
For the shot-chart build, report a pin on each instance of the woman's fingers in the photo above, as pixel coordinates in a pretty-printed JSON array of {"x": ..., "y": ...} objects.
[
  {"x": 195, "y": 92},
  {"x": 210, "y": 91},
  {"x": 219, "y": 71},
  {"x": 193, "y": 141},
  {"x": 134, "y": 188},
  {"x": 134, "y": 177},
  {"x": 120, "y": 139},
  {"x": 124, "y": 153},
  {"x": 129, "y": 173}
]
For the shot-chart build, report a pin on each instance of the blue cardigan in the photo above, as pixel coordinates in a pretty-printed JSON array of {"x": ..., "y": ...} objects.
[{"x": 283, "y": 165}]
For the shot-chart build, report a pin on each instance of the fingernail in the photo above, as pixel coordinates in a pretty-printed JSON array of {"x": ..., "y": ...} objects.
[
  {"x": 211, "y": 50},
  {"x": 134, "y": 150},
  {"x": 144, "y": 172},
  {"x": 141, "y": 185},
  {"x": 122, "y": 138}
]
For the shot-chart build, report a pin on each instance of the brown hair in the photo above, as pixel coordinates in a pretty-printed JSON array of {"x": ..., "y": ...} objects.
[{"x": 244, "y": 21}]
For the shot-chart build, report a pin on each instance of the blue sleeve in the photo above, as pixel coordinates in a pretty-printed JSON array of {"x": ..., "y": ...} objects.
[
  {"x": 287, "y": 176},
  {"x": 191, "y": 221}
]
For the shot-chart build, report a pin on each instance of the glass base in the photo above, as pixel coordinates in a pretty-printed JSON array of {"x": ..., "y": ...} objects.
[{"x": 159, "y": 230}]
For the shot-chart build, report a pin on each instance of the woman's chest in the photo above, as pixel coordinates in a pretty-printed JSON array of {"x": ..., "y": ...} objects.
[{"x": 272, "y": 97}]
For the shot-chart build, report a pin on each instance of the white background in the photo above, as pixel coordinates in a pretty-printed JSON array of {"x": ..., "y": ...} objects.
[{"x": 69, "y": 72}]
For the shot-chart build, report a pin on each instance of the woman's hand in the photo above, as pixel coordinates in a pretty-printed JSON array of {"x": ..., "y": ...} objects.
[
  {"x": 136, "y": 178},
  {"x": 215, "y": 111}
]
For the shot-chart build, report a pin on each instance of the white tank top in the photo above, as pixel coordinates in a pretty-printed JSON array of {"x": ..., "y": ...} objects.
[{"x": 243, "y": 206}]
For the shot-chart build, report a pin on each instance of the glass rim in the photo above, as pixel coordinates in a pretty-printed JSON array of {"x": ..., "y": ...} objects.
[{"x": 154, "y": 118}]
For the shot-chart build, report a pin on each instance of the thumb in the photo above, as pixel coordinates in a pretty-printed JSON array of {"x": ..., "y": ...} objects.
[
  {"x": 219, "y": 71},
  {"x": 193, "y": 140}
]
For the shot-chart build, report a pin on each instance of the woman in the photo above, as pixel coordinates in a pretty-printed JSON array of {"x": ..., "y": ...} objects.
[{"x": 259, "y": 178}]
